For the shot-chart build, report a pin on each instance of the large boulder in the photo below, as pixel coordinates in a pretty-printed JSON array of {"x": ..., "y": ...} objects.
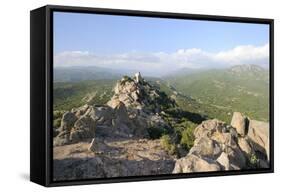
[
  {"x": 102, "y": 114},
  {"x": 81, "y": 110},
  {"x": 192, "y": 163},
  {"x": 239, "y": 123},
  {"x": 215, "y": 148},
  {"x": 259, "y": 135},
  {"x": 224, "y": 161},
  {"x": 245, "y": 146},
  {"x": 97, "y": 146},
  {"x": 67, "y": 121},
  {"x": 84, "y": 128},
  {"x": 121, "y": 113},
  {"x": 206, "y": 147},
  {"x": 62, "y": 138}
]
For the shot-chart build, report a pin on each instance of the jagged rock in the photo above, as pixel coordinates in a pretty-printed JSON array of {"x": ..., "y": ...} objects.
[
  {"x": 259, "y": 135},
  {"x": 239, "y": 123},
  {"x": 205, "y": 147},
  {"x": 245, "y": 146},
  {"x": 97, "y": 146},
  {"x": 216, "y": 142},
  {"x": 67, "y": 121},
  {"x": 237, "y": 159},
  {"x": 62, "y": 138},
  {"x": 84, "y": 128},
  {"x": 138, "y": 94},
  {"x": 101, "y": 114},
  {"x": 192, "y": 163},
  {"x": 138, "y": 77},
  {"x": 81, "y": 110},
  {"x": 209, "y": 127},
  {"x": 121, "y": 113},
  {"x": 223, "y": 160},
  {"x": 55, "y": 132}
]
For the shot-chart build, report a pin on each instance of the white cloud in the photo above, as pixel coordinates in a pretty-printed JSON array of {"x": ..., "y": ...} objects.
[{"x": 162, "y": 63}]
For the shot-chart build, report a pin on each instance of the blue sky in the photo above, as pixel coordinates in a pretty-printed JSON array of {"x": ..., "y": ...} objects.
[
  {"x": 104, "y": 36},
  {"x": 113, "y": 34}
]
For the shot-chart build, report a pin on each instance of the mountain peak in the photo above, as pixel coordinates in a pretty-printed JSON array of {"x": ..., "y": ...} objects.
[
  {"x": 246, "y": 68},
  {"x": 137, "y": 93},
  {"x": 138, "y": 77}
]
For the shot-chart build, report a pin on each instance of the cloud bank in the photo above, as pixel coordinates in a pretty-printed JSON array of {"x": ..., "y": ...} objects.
[{"x": 156, "y": 63}]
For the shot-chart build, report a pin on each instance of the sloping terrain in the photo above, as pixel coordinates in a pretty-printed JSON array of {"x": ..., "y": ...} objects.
[
  {"x": 142, "y": 130},
  {"x": 240, "y": 88}
]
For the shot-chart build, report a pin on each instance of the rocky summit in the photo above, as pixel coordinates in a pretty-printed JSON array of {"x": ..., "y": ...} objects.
[{"x": 134, "y": 134}]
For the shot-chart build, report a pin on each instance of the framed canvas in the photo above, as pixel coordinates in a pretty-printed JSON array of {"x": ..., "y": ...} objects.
[{"x": 123, "y": 95}]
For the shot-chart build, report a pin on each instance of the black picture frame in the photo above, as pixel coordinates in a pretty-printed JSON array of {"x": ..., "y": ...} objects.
[{"x": 41, "y": 82}]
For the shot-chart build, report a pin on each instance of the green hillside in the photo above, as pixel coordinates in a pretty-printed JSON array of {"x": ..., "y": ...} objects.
[
  {"x": 240, "y": 88},
  {"x": 204, "y": 94},
  {"x": 67, "y": 95}
]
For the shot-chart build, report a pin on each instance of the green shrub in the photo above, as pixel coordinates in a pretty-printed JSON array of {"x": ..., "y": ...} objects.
[
  {"x": 254, "y": 160},
  {"x": 156, "y": 132},
  {"x": 56, "y": 123},
  {"x": 57, "y": 114},
  {"x": 167, "y": 144},
  {"x": 187, "y": 138}
]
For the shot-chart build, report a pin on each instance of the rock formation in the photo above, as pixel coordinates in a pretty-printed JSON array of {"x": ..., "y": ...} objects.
[
  {"x": 132, "y": 110},
  {"x": 219, "y": 146},
  {"x": 113, "y": 140}
]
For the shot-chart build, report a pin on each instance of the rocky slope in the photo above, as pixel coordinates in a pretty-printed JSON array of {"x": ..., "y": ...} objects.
[
  {"x": 116, "y": 139},
  {"x": 133, "y": 109},
  {"x": 242, "y": 145}
]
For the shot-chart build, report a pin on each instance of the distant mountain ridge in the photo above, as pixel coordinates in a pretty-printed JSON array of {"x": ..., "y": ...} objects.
[{"x": 75, "y": 74}]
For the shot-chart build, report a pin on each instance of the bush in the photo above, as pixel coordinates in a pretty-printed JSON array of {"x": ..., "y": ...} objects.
[
  {"x": 156, "y": 132},
  {"x": 56, "y": 123},
  {"x": 254, "y": 160},
  {"x": 57, "y": 114},
  {"x": 168, "y": 145},
  {"x": 187, "y": 138}
]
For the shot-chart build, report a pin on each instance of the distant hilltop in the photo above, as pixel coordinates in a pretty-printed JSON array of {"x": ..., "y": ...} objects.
[{"x": 246, "y": 68}]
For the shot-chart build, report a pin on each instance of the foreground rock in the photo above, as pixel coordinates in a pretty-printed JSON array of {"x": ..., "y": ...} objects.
[
  {"x": 219, "y": 147},
  {"x": 239, "y": 122},
  {"x": 259, "y": 136},
  {"x": 120, "y": 158}
]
